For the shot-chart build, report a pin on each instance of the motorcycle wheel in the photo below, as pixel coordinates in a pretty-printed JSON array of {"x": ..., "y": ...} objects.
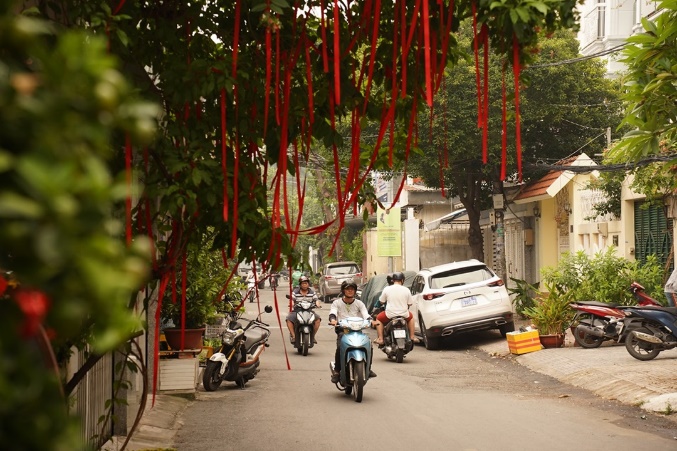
[
  {"x": 211, "y": 378},
  {"x": 358, "y": 380},
  {"x": 585, "y": 340},
  {"x": 399, "y": 355},
  {"x": 641, "y": 350},
  {"x": 305, "y": 344}
]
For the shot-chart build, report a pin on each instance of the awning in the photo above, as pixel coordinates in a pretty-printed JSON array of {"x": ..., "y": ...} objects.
[{"x": 446, "y": 219}]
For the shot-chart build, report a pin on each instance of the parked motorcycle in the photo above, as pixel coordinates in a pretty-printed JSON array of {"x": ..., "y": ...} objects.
[
  {"x": 355, "y": 355},
  {"x": 597, "y": 322},
  {"x": 305, "y": 323},
  {"x": 239, "y": 356},
  {"x": 396, "y": 340},
  {"x": 657, "y": 332}
]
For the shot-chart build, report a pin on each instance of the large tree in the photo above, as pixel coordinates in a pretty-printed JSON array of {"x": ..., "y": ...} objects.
[
  {"x": 565, "y": 108},
  {"x": 243, "y": 87}
]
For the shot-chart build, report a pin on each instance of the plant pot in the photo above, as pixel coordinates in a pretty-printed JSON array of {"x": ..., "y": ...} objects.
[
  {"x": 552, "y": 341},
  {"x": 192, "y": 338}
]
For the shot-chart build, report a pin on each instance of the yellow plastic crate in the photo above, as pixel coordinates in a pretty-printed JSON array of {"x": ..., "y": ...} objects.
[{"x": 523, "y": 342}]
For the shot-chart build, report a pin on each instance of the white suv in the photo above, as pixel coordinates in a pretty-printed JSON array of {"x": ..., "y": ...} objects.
[{"x": 459, "y": 297}]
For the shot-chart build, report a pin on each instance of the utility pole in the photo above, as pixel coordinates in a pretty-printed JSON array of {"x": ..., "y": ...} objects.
[{"x": 499, "y": 233}]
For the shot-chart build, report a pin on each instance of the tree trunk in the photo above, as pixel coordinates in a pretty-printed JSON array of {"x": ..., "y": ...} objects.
[{"x": 470, "y": 199}]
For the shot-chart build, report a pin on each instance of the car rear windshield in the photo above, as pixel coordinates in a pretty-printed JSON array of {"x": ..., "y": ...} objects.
[
  {"x": 462, "y": 276},
  {"x": 338, "y": 270}
]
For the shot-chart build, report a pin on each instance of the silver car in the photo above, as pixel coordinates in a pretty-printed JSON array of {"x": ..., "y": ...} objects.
[
  {"x": 333, "y": 275},
  {"x": 459, "y": 297}
]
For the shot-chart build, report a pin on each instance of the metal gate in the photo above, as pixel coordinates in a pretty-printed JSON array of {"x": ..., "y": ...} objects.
[
  {"x": 514, "y": 250},
  {"x": 653, "y": 233}
]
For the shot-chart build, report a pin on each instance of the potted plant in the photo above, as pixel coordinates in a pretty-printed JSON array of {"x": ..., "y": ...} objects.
[
  {"x": 205, "y": 277},
  {"x": 551, "y": 315}
]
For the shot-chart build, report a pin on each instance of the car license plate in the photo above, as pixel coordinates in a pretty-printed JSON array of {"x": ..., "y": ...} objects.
[
  {"x": 400, "y": 333},
  {"x": 467, "y": 302}
]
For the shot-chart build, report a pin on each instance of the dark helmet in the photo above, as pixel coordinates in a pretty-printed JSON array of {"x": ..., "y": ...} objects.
[
  {"x": 389, "y": 278},
  {"x": 398, "y": 276},
  {"x": 303, "y": 279},
  {"x": 347, "y": 284}
]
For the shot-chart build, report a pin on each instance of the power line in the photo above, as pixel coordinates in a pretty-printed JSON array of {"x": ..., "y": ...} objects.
[
  {"x": 616, "y": 49},
  {"x": 606, "y": 167}
]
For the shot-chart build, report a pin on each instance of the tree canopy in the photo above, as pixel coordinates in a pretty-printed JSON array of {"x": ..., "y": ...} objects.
[{"x": 565, "y": 109}]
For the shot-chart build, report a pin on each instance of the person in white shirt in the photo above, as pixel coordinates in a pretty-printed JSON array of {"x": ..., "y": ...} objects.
[
  {"x": 670, "y": 288},
  {"x": 397, "y": 300},
  {"x": 343, "y": 307}
]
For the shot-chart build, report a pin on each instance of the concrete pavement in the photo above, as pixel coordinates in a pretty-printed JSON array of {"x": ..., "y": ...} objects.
[{"x": 609, "y": 372}]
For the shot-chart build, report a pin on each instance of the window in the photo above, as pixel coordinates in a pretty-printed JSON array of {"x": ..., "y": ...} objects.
[
  {"x": 460, "y": 277},
  {"x": 601, "y": 19}
]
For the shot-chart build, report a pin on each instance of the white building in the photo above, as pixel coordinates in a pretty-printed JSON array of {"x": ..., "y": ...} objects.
[{"x": 605, "y": 25}]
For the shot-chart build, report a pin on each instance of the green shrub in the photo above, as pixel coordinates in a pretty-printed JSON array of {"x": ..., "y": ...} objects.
[
  {"x": 605, "y": 277},
  {"x": 524, "y": 296}
]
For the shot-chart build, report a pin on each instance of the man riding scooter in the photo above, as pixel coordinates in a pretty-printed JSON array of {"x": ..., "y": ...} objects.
[
  {"x": 343, "y": 307},
  {"x": 303, "y": 290}
]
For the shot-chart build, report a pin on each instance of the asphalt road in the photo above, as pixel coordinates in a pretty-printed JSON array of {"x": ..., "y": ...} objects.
[{"x": 452, "y": 399}]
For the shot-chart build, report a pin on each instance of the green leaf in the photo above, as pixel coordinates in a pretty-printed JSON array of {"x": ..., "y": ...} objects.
[
  {"x": 13, "y": 205},
  {"x": 122, "y": 36}
]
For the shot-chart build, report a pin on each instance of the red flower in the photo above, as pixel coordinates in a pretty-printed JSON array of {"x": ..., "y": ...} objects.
[
  {"x": 3, "y": 285},
  {"x": 34, "y": 304}
]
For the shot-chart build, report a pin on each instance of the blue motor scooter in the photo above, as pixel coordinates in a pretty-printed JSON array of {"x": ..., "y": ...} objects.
[
  {"x": 657, "y": 332},
  {"x": 355, "y": 355}
]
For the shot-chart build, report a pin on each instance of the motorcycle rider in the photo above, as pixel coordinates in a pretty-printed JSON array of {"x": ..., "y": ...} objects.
[
  {"x": 670, "y": 288},
  {"x": 397, "y": 300},
  {"x": 303, "y": 290},
  {"x": 251, "y": 285},
  {"x": 346, "y": 306}
]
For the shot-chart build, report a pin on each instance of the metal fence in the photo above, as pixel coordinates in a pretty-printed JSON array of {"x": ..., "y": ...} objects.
[{"x": 90, "y": 396}]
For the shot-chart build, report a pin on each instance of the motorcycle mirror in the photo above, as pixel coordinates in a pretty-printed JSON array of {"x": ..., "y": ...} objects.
[
  {"x": 287, "y": 296},
  {"x": 268, "y": 308}
]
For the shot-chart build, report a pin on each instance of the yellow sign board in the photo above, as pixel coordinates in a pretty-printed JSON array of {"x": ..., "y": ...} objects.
[{"x": 388, "y": 232}]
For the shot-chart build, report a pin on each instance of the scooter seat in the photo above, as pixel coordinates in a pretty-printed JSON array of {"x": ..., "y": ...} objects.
[{"x": 254, "y": 335}]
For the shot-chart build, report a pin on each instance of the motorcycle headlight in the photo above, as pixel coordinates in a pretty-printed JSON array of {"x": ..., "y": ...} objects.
[
  {"x": 354, "y": 323},
  {"x": 230, "y": 335}
]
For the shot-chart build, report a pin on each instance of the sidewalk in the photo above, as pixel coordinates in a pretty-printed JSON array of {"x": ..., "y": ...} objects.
[
  {"x": 609, "y": 372},
  {"x": 158, "y": 425}
]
